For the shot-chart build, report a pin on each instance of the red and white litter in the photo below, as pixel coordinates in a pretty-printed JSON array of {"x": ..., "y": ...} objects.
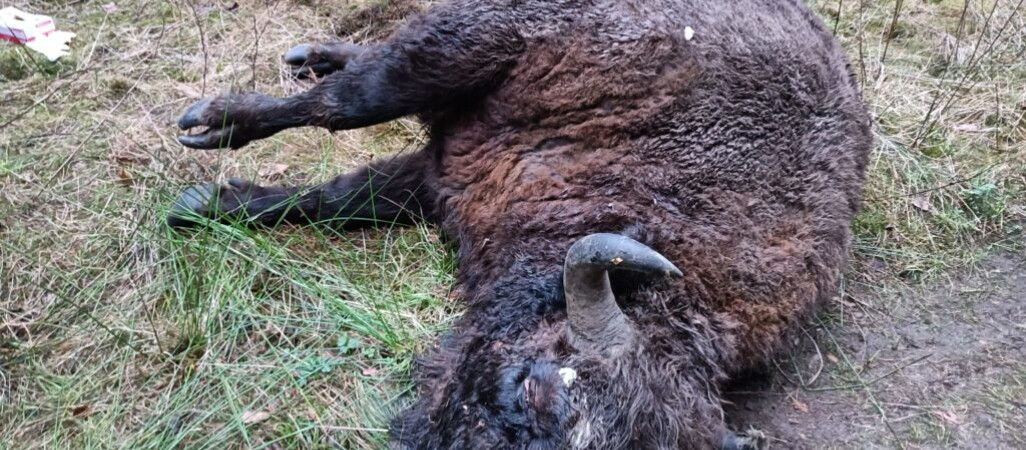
[{"x": 35, "y": 31}]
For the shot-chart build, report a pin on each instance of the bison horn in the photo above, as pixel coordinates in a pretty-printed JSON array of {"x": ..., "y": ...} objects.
[{"x": 596, "y": 322}]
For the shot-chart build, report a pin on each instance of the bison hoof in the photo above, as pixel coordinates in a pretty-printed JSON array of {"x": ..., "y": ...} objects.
[
  {"x": 228, "y": 121},
  {"x": 228, "y": 203},
  {"x": 751, "y": 440},
  {"x": 192, "y": 206},
  {"x": 318, "y": 60}
]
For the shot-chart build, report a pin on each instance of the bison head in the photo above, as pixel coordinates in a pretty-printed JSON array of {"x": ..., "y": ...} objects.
[{"x": 585, "y": 374}]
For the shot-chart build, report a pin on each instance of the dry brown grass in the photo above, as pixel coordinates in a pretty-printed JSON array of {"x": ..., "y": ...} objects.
[{"x": 117, "y": 333}]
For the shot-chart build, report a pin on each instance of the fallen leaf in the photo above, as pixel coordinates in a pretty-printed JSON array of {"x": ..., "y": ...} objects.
[
  {"x": 251, "y": 417},
  {"x": 81, "y": 410},
  {"x": 947, "y": 416},
  {"x": 923, "y": 203},
  {"x": 800, "y": 406},
  {"x": 273, "y": 170},
  {"x": 833, "y": 359},
  {"x": 370, "y": 372},
  {"x": 132, "y": 159},
  {"x": 124, "y": 178},
  {"x": 967, "y": 127}
]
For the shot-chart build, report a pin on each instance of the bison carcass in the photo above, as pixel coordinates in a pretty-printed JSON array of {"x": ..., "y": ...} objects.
[{"x": 722, "y": 143}]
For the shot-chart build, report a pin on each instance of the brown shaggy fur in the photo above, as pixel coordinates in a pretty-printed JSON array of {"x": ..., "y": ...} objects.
[{"x": 738, "y": 154}]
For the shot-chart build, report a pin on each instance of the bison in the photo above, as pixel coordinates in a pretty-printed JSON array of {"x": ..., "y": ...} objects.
[{"x": 647, "y": 197}]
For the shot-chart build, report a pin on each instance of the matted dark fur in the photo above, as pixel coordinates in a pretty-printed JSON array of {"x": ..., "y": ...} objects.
[{"x": 739, "y": 155}]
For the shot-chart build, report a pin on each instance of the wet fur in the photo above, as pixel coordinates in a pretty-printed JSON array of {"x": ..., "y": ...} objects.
[{"x": 739, "y": 155}]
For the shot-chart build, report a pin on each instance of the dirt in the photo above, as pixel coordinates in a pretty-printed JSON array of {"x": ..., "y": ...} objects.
[{"x": 938, "y": 366}]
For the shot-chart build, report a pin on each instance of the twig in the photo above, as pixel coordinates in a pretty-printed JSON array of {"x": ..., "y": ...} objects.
[
  {"x": 92, "y": 49},
  {"x": 837, "y": 21},
  {"x": 874, "y": 380},
  {"x": 781, "y": 371},
  {"x": 203, "y": 44},
  {"x": 974, "y": 68},
  {"x": 860, "y": 37},
  {"x": 819, "y": 353},
  {"x": 341, "y": 428},
  {"x": 862, "y": 384},
  {"x": 890, "y": 33}
]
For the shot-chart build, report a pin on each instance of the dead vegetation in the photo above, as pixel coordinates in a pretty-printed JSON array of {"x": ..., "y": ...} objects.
[{"x": 115, "y": 332}]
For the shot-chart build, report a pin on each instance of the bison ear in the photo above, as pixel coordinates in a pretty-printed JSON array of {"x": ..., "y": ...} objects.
[{"x": 596, "y": 322}]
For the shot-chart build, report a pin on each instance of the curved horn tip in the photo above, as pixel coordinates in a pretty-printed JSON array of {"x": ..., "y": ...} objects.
[{"x": 613, "y": 251}]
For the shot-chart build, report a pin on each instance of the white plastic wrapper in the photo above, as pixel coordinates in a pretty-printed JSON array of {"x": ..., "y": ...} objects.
[{"x": 35, "y": 31}]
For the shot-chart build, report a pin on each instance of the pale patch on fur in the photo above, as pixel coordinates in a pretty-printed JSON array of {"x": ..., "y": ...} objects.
[
  {"x": 568, "y": 376},
  {"x": 581, "y": 436}
]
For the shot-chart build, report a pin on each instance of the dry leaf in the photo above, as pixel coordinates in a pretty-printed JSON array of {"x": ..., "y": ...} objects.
[
  {"x": 800, "y": 406},
  {"x": 81, "y": 410},
  {"x": 370, "y": 372},
  {"x": 967, "y": 127},
  {"x": 923, "y": 203},
  {"x": 251, "y": 417},
  {"x": 273, "y": 170},
  {"x": 947, "y": 416},
  {"x": 124, "y": 178},
  {"x": 833, "y": 359}
]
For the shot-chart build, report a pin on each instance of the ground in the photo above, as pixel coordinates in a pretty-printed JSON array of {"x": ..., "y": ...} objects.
[
  {"x": 117, "y": 333},
  {"x": 940, "y": 366}
]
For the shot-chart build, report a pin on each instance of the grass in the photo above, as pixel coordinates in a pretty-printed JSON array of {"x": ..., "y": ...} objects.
[{"x": 117, "y": 333}]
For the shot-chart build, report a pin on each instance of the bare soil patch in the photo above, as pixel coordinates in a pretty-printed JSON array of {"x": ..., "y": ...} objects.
[{"x": 940, "y": 366}]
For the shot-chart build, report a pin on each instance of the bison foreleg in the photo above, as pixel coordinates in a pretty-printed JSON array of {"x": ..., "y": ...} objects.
[
  {"x": 449, "y": 58},
  {"x": 389, "y": 192}
]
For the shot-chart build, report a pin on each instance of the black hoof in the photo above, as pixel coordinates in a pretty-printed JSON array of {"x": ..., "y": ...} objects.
[
  {"x": 297, "y": 56},
  {"x": 309, "y": 60},
  {"x": 751, "y": 440},
  {"x": 192, "y": 206},
  {"x": 221, "y": 131},
  {"x": 232, "y": 121},
  {"x": 193, "y": 117}
]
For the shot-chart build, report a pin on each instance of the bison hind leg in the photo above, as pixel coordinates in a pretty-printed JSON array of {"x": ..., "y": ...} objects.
[{"x": 237, "y": 201}]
